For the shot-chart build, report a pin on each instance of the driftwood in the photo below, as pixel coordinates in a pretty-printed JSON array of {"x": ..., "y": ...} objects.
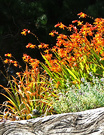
[{"x": 90, "y": 122}]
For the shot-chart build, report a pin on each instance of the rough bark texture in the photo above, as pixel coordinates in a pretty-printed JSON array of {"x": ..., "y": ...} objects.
[{"x": 90, "y": 122}]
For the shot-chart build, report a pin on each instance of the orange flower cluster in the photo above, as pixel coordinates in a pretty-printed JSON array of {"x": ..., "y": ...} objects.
[
  {"x": 60, "y": 25},
  {"x": 53, "y": 33},
  {"x": 43, "y": 45},
  {"x": 33, "y": 62},
  {"x": 30, "y": 45},
  {"x": 71, "y": 48},
  {"x": 8, "y": 55},
  {"x": 26, "y": 57},
  {"x": 10, "y": 61},
  {"x": 25, "y": 31},
  {"x": 83, "y": 15}
]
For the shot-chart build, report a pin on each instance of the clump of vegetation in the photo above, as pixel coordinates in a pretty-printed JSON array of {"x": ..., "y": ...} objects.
[
  {"x": 86, "y": 97},
  {"x": 70, "y": 78},
  {"x": 29, "y": 90}
]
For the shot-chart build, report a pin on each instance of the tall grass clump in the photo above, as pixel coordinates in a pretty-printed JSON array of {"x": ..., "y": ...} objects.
[{"x": 28, "y": 91}]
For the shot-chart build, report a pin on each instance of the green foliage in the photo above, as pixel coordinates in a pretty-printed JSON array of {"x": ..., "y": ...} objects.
[{"x": 76, "y": 99}]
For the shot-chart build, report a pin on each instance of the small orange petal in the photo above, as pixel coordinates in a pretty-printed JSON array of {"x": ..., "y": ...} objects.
[
  {"x": 6, "y": 61},
  {"x": 8, "y": 55},
  {"x": 74, "y": 21}
]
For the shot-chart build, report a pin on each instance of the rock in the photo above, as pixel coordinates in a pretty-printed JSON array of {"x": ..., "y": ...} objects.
[{"x": 90, "y": 122}]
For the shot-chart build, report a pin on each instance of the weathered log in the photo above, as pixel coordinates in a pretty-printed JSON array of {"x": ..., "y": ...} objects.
[{"x": 90, "y": 122}]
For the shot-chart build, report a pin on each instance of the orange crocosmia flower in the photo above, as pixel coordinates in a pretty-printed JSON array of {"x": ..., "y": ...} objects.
[
  {"x": 45, "y": 45},
  {"x": 46, "y": 51},
  {"x": 84, "y": 33},
  {"x": 74, "y": 21},
  {"x": 70, "y": 49},
  {"x": 57, "y": 25},
  {"x": 70, "y": 27},
  {"x": 48, "y": 56},
  {"x": 14, "y": 61},
  {"x": 18, "y": 73},
  {"x": 95, "y": 27},
  {"x": 40, "y": 46},
  {"x": 74, "y": 82},
  {"x": 27, "y": 46},
  {"x": 90, "y": 33},
  {"x": 81, "y": 14},
  {"x": 26, "y": 57},
  {"x": 97, "y": 20},
  {"x": 55, "y": 32},
  {"x": 11, "y": 61},
  {"x": 37, "y": 61},
  {"x": 61, "y": 52},
  {"x": 75, "y": 64},
  {"x": 24, "y": 31},
  {"x": 56, "y": 69},
  {"x": 57, "y": 84},
  {"x": 59, "y": 37},
  {"x": 75, "y": 29},
  {"x": 8, "y": 55},
  {"x": 62, "y": 26},
  {"x": 62, "y": 36},
  {"x": 59, "y": 43},
  {"x": 34, "y": 63},
  {"x": 73, "y": 58},
  {"x": 6, "y": 61},
  {"x": 32, "y": 46},
  {"x": 54, "y": 48},
  {"x": 32, "y": 60},
  {"x": 52, "y": 34},
  {"x": 15, "y": 64},
  {"x": 80, "y": 23}
]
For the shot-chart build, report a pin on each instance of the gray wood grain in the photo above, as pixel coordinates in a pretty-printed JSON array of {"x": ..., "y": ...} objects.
[{"x": 90, "y": 122}]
